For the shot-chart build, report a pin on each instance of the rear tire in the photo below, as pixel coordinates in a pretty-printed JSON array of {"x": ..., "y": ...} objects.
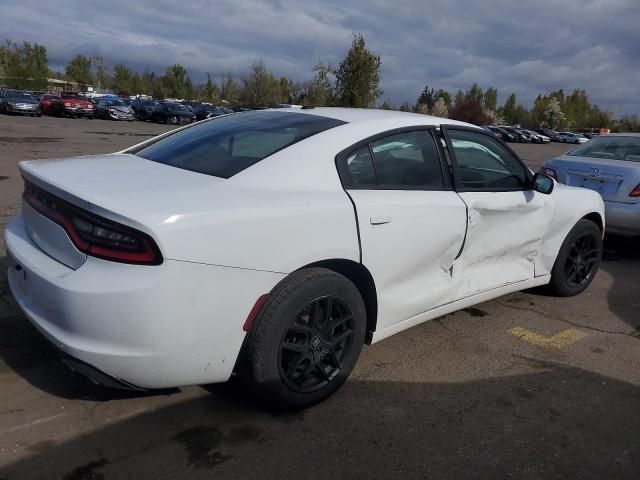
[
  {"x": 305, "y": 340},
  {"x": 578, "y": 260}
]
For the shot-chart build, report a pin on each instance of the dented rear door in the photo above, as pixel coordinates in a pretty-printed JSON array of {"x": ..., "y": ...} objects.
[{"x": 506, "y": 220}]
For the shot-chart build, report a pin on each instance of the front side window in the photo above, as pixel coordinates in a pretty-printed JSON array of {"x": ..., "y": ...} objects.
[
  {"x": 230, "y": 144},
  {"x": 482, "y": 163}
]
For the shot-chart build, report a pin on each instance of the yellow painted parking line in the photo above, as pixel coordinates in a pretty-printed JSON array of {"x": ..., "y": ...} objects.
[{"x": 558, "y": 340}]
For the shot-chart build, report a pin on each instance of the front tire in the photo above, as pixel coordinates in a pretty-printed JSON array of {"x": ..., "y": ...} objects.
[
  {"x": 306, "y": 339},
  {"x": 578, "y": 260}
]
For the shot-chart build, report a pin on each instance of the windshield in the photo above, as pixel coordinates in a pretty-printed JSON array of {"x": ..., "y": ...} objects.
[
  {"x": 77, "y": 96},
  {"x": 117, "y": 102},
  {"x": 230, "y": 144},
  {"x": 18, "y": 95},
  {"x": 612, "y": 147}
]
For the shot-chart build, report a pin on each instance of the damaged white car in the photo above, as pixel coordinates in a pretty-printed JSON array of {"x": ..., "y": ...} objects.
[{"x": 275, "y": 243}]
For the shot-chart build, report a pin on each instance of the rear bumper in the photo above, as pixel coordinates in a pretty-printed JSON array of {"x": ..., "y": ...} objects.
[
  {"x": 146, "y": 326},
  {"x": 622, "y": 218}
]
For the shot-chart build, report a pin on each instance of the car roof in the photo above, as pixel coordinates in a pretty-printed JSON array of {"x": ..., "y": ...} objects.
[
  {"x": 621, "y": 134},
  {"x": 366, "y": 115}
]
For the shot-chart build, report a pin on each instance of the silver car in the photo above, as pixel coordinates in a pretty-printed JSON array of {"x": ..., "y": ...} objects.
[{"x": 610, "y": 165}]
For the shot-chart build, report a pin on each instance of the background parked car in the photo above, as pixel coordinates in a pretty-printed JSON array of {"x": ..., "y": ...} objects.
[
  {"x": 569, "y": 137},
  {"x": 610, "y": 165},
  {"x": 143, "y": 108},
  {"x": 172, "y": 113},
  {"x": 502, "y": 134},
  {"x": 204, "y": 110},
  {"x": 521, "y": 137},
  {"x": 553, "y": 135},
  {"x": 113, "y": 109},
  {"x": 74, "y": 104},
  {"x": 538, "y": 137},
  {"x": 18, "y": 102},
  {"x": 49, "y": 103}
]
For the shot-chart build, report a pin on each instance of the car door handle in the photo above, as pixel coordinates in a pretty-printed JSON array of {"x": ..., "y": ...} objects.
[{"x": 379, "y": 219}]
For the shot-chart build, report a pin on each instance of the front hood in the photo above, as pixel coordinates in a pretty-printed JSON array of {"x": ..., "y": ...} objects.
[
  {"x": 128, "y": 189},
  {"x": 77, "y": 103},
  {"x": 121, "y": 109},
  {"x": 19, "y": 101}
]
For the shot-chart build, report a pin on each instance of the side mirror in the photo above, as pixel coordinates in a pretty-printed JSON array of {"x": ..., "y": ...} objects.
[{"x": 543, "y": 183}]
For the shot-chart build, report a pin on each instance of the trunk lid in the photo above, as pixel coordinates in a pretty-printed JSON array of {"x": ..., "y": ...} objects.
[
  {"x": 613, "y": 179},
  {"x": 131, "y": 190}
]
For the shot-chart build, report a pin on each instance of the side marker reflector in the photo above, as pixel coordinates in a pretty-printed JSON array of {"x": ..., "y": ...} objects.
[{"x": 254, "y": 311}]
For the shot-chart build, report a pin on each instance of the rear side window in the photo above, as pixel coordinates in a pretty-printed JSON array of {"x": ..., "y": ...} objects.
[
  {"x": 227, "y": 145},
  {"x": 407, "y": 159}
]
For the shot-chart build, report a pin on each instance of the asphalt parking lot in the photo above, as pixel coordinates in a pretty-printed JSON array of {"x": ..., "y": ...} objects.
[{"x": 523, "y": 387}]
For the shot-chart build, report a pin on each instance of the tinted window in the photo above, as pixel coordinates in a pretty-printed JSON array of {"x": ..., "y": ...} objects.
[
  {"x": 228, "y": 145},
  {"x": 483, "y": 163},
  {"x": 360, "y": 167},
  {"x": 613, "y": 147},
  {"x": 407, "y": 159}
]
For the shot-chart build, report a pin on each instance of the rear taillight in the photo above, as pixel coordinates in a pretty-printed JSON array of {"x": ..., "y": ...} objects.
[
  {"x": 635, "y": 192},
  {"x": 94, "y": 235},
  {"x": 550, "y": 172}
]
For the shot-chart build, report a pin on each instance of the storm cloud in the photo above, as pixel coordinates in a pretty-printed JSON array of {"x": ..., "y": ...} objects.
[{"x": 519, "y": 47}]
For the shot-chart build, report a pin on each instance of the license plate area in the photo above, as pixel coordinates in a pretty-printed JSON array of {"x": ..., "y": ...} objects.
[{"x": 21, "y": 278}]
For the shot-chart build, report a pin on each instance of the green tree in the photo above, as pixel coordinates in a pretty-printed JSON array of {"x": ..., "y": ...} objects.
[
  {"x": 427, "y": 97},
  {"x": 100, "y": 72},
  {"x": 446, "y": 96},
  {"x": 405, "y": 107},
  {"x": 122, "y": 80},
  {"x": 24, "y": 66},
  {"x": 260, "y": 86},
  {"x": 358, "y": 76},
  {"x": 387, "y": 105},
  {"x": 175, "y": 81},
  {"x": 459, "y": 98},
  {"x": 490, "y": 101},
  {"x": 474, "y": 94},
  {"x": 552, "y": 116},
  {"x": 440, "y": 108},
  {"x": 78, "y": 70},
  {"x": 509, "y": 109},
  {"x": 230, "y": 90},
  {"x": 320, "y": 90},
  {"x": 211, "y": 90}
]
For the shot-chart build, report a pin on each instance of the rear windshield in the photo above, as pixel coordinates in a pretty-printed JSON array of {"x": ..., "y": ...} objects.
[
  {"x": 227, "y": 145},
  {"x": 612, "y": 147}
]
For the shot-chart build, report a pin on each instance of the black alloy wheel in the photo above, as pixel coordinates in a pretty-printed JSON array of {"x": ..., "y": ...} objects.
[
  {"x": 578, "y": 260},
  {"x": 305, "y": 340},
  {"x": 315, "y": 343},
  {"x": 582, "y": 258}
]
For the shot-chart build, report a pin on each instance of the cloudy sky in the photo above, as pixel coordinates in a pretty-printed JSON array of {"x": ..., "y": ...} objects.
[{"x": 523, "y": 48}]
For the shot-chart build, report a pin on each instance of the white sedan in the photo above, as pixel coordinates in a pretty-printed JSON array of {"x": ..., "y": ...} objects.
[{"x": 275, "y": 243}]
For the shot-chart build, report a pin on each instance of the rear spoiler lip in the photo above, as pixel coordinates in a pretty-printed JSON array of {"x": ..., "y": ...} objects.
[{"x": 29, "y": 175}]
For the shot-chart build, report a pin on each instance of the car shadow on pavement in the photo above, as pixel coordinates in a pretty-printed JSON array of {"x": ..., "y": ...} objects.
[
  {"x": 555, "y": 422},
  {"x": 621, "y": 260}
]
